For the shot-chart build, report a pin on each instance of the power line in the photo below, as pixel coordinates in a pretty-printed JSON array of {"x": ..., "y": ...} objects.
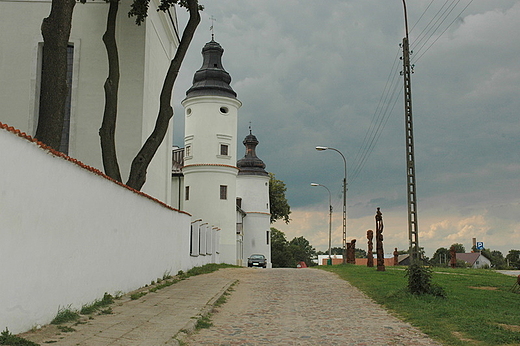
[{"x": 390, "y": 96}]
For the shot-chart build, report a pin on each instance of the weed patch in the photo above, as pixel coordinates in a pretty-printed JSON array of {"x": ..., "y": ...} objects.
[
  {"x": 66, "y": 329},
  {"x": 138, "y": 295},
  {"x": 97, "y": 305},
  {"x": 6, "y": 338},
  {"x": 65, "y": 315},
  {"x": 203, "y": 322}
]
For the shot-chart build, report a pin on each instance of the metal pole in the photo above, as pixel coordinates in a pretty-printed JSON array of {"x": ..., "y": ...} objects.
[
  {"x": 413, "y": 228},
  {"x": 330, "y": 220},
  {"x": 344, "y": 202}
]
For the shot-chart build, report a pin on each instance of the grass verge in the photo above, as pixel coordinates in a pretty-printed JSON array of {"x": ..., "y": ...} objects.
[{"x": 479, "y": 308}]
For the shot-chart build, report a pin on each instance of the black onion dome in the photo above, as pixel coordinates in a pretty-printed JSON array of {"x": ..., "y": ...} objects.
[
  {"x": 211, "y": 79},
  {"x": 251, "y": 164}
]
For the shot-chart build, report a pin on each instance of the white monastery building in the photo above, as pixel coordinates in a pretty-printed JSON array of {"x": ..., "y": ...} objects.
[
  {"x": 213, "y": 186},
  {"x": 207, "y": 182},
  {"x": 200, "y": 205}
]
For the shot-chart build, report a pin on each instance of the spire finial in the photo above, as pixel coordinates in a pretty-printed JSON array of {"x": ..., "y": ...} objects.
[
  {"x": 250, "y": 132},
  {"x": 211, "y": 27}
]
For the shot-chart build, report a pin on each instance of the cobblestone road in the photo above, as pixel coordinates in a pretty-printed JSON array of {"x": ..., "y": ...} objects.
[{"x": 302, "y": 307}]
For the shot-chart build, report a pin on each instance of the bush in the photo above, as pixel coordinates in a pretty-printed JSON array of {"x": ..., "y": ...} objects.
[{"x": 419, "y": 281}]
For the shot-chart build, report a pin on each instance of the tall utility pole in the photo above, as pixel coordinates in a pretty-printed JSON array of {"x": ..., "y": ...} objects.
[{"x": 413, "y": 228}]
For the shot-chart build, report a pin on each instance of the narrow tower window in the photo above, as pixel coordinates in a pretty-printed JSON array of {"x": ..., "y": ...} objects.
[
  {"x": 224, "y": 149},
  {"x": 223, "y": 191},
  {"x": 187, "y": 193}
]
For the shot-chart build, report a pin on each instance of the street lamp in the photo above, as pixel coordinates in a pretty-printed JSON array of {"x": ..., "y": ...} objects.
[
  {"x": 329, "y": 262},
  {"x": 320, "y": 148}
]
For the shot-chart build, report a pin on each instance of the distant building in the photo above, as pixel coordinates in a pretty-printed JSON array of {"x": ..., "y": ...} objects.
[
  {"x": 474, "y": 259},
  {"x": 338, "y": 259}
]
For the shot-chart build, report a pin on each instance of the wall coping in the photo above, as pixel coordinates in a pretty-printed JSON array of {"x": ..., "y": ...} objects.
[{"x": 91, "y": 169}]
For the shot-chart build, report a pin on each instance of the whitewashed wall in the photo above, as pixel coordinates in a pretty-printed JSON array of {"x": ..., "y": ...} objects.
[
  {"x": 144, "y": 51},
  {"x": 69, "y": 234}
]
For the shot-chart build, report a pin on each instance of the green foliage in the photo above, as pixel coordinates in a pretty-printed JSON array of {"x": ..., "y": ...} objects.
[
  {"x": 139, "y": 8},
  {"x": 478, "y": 303},
  {"x": 441, "y": 257},
  {"x": 301, "y": 251},
  {"x": 98, "y": 304},
  {"x": 66, "y": 329},
  {"x": 203, "y": 322},
  {"x": 168, "y": 280},
  {"x": 207, "y": 268},
  {"x": 419, "y": 281},
  {"x": 459, "y": 248},
  {"x": 286, "y": 254},
  {"x": 280, "y": 256},
  {"x": 513, "y": 257},
  {"x": 138, "y": 295},
  {"x": 360, "y": 253},
  {"x": 6, "y": 338},
  {"x": 279, "y": 207},
  {"x": 65, "y": 315}
]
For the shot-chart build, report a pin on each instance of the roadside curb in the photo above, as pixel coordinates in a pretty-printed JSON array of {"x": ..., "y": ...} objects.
[{"x": 191, "y": 325}]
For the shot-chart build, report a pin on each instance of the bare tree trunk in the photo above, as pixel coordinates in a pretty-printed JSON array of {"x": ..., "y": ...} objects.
[
  {"x": 142, "y": 160},
  {"x": 108, "y": 127},
  {"x": 53, "y": 92}
]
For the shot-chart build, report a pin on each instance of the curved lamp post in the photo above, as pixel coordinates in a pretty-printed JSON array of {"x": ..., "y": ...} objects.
[
  {"x": 320, "y": 148},
  {"x": 329, "y": 262}
]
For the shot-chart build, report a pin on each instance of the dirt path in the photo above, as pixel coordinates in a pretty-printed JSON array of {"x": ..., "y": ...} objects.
[{"x": 302, "y": 307}]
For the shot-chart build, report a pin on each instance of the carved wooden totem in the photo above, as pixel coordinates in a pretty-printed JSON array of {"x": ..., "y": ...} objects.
[
  {"x": 453, "y": 254},
  {"x": 370, "y": 254},
  {"x": 396, "y": 257},
  {"x": 379, "y": 241},
  {"x": 351, "y": 253}
]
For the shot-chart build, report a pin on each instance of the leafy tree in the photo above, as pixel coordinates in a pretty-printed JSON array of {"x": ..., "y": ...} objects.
[
  {"x": 360, "y": 253},
  {"x": 513, "y": 258},
  {"x": 497, "y": 259},
  {"x": 459, "y": 248},
  {"x": 280, "y": 209},
  {"x": 336, "y": 250},
  {"x": 280, "y": 256},
  {"x": 301, "y": 251},
  {"x": 441, "y": 257},
  {"x": 285, "y": 254},
  {"x": 143, "y": 158},
  {"x": 54, "y": 90}
]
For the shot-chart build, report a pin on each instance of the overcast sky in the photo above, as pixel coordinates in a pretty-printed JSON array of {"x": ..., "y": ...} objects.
[{"x": 315, "y": 73}]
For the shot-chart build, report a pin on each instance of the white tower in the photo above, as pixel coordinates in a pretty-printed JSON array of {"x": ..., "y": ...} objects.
[
  {"x": 253, "y": 189},
  {"x": 210, "y": 171}
]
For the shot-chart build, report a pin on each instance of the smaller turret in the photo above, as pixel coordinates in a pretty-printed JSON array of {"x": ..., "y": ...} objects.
[{"x": 250, "y": 164}]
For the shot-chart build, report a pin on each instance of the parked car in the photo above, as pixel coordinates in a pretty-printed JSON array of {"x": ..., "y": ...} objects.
[{"x": 257, "y": 261}]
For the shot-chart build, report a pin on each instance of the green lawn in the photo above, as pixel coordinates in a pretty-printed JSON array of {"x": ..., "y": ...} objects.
[{"x": 479, "y": 308}]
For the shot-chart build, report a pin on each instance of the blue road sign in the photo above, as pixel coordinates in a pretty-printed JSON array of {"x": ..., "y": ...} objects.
[{"x": 480, "y": 245}]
